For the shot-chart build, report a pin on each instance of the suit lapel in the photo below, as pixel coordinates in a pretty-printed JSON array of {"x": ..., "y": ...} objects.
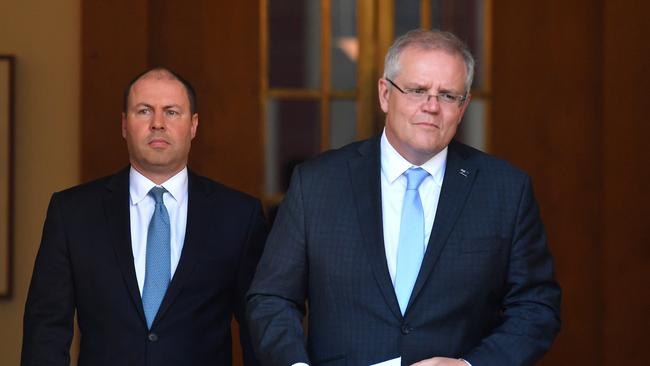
[
  {"x": 116, "y": 206},
  {"x": 459, "y": 178},
  {"x": 198, "y": 207},
  {"x": 365, "y": 173}
]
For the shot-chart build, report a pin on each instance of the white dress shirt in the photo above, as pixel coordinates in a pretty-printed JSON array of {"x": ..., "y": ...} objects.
[
  {"x": 141, "y": 208},
  {"x": 393, "y": 187}
]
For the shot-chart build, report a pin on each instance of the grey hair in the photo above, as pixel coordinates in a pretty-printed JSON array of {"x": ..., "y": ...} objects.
[{"x": 429, "y": 40}]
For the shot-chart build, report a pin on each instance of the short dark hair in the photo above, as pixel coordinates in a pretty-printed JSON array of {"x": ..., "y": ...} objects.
[{"x": 191, "y": 94}]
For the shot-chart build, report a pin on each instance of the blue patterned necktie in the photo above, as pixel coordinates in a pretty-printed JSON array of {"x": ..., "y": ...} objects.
[
  {"x": 410, "y": 250},
  {"x": 158, "y": 268}
]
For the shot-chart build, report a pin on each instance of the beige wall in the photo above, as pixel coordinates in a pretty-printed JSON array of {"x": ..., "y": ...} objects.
[{"x": 45, "y": 38}]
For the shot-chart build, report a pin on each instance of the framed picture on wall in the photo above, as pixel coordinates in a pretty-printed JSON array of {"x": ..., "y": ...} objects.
[{"x": 6, "y": 173}]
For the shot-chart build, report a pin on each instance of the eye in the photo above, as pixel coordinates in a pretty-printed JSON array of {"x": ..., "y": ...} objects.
[
  {"x": 143, "y": 111},
  {"x": 172, "y": 113},
  {"x": 418, "y": 92},
  {"x": 448, "y": 98}
]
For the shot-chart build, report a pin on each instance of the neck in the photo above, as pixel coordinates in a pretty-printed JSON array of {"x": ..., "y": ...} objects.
[{"x": 158, "y": 177}]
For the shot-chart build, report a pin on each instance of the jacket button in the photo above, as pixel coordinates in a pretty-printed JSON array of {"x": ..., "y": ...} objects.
[
  {"x": 152, "y": 337},
  {"x": 406, "y": 329}
]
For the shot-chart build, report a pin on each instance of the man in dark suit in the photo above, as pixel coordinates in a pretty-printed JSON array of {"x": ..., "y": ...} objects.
[
  {"x": 410, "y": 247},
  {"x": 154, "y": 259}
]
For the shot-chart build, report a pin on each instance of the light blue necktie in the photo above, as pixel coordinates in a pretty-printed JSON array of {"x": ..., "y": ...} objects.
[
  {"x": 157, "y": 272},
  {"x": 410, "y": 250}
]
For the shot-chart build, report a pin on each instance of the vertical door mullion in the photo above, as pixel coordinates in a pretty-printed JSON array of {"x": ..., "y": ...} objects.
[
  {"x": 264, "y": 87},
  {"x": 325, "y": 68},
  {"x": 425, "y": 14},
  {"x": 366, "y": 70},
  {"x": 487, "y": 72}
]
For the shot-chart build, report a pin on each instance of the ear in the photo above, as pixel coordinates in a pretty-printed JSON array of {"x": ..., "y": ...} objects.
[
  {"x": 123, "y": 125},
  {"x": 384, "y": 94},
  {"x": 195, "y": 124}
]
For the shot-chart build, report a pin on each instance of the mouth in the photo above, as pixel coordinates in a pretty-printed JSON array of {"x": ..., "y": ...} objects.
[
  {"x": 425, "y": 124},
  {"x": 158, "y": 143}
]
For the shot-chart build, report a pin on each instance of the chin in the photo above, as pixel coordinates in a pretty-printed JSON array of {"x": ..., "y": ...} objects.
[
  {"x": 156, "y": 164},
  {"x": 428, "y": 150},
  {"x": 426, "y": 147}
]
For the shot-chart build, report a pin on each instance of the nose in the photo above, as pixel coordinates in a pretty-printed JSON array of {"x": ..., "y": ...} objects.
[
  {"x": 158, "y": 121},
  {"x": 432, "y": 104}
]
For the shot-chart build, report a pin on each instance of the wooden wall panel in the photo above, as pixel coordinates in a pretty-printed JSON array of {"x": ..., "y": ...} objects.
[
  {"x": 570, "y": 99},
  {"x": 546, "y": 120},
  {"x": 216, "y": 46},
  {"x": 626, "y": 201},
  {"x": 114, "y": 41}
]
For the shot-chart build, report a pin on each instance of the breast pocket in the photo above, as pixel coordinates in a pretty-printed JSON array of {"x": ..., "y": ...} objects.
[{"x": 478, "y": 263}]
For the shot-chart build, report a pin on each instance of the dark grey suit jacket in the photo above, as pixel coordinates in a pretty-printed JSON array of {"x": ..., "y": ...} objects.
[
  {"x": 485, "y": 292},
  {"x": 85, "y": 263}
]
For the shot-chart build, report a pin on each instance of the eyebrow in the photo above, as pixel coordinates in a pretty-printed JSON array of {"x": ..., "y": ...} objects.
[
  {"x": 169, "y": 106},
  {"x": 418, "y": 86},
  {"x": 449, "y": 91},
  {"x": 415, "y": 85}
]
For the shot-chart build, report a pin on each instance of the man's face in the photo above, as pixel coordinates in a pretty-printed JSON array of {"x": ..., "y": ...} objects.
[
  {"x": 419, "y": 130},
  {"x": 158, "y": 125}
]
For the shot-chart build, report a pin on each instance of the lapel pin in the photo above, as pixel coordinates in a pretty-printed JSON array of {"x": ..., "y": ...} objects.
[{"x": 463, "y": 172}]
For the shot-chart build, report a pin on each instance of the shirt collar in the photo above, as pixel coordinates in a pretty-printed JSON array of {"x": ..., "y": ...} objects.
[
  {"x": 139, "y": 186},
  {"x": 393, "y": 165}
]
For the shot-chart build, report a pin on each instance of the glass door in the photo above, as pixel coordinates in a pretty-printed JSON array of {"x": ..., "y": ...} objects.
[{"x": 321, "y": 60}]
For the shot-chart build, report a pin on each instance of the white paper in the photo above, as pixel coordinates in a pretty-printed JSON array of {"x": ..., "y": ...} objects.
[{"x": 394, "y": 362}]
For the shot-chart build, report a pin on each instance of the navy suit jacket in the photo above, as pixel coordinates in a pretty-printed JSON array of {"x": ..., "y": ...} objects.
[
  {"x": 85, "y": 263},
  {"x": 485, "y": 292}
]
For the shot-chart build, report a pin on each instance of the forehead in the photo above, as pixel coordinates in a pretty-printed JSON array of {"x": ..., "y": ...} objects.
[
  {"x": 158, "y": 88},
  {"x": 429, "y": 65}
]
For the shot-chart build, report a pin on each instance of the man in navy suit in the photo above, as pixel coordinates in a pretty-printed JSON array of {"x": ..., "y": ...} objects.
[
  {"x": 154, "y": 278},
  {"x": 409, "y": 247}
]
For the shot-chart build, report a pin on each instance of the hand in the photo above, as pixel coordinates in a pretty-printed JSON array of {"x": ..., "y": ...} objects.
[{"x": 440, "y": 361}]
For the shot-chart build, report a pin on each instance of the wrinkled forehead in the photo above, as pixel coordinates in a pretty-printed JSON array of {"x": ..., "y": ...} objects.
[
  {"x": 416, "y": 51},
  {"x": 426, "y": 60}
]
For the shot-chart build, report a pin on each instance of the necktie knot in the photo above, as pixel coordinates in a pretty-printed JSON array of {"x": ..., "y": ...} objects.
[
  {"x": 415, "y": 177},
  {"x": 157, "y": 194}
]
